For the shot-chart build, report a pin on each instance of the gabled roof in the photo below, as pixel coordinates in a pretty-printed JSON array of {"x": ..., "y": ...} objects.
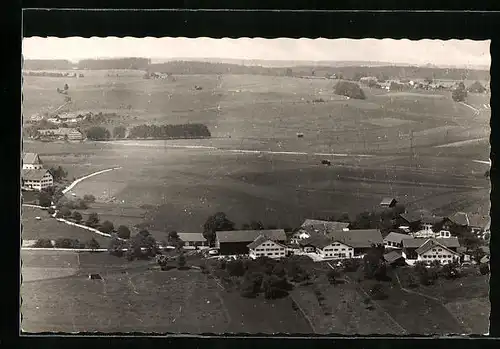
[
  {"x": 250, "y": 235},
  {"x": 260, "y": 240},
  {"x": 488, "y": 225},
  {"x": 396, "y": 237},
  {"x": 191, "y": 237},
  {"x": 393, "y": 256},
  {"x": 430, "y": 243},
  {"x": 32, "y": 158},
  {"x": 358, "y": 238},
  {"x": 417, "y": 242},
  {"x": 460, "y": 218},
  {"x": 33, "y": 175},
  {"x": 387, "y": 201}
]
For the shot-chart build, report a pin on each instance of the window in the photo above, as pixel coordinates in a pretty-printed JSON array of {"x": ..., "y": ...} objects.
[
  {"x": 440, "y": 250},
  {"x": 440, "y": 256},
  {"x": 335, "y": 249},
  {"x": 343, "y": 249}
]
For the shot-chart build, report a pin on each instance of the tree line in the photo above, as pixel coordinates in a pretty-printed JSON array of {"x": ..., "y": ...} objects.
[
  {"x": 135, "y": 63},
  {"x": 181, "y": 131}
]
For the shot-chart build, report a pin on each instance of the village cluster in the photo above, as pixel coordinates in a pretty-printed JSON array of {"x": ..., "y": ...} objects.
[{"x": 419, "y": 237}]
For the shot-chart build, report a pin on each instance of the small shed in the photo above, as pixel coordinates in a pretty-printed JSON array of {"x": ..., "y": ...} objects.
[
  {"x": 388, "y": 202},
  {"x": 95, "y": 277}
]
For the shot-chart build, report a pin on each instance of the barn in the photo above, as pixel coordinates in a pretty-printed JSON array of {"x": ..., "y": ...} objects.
[{"x": 236, "y": 241}]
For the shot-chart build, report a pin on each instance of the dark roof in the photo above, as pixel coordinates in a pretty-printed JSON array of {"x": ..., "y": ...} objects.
[
  {"x": 430, "y": 243},
  {"x": 387, "y": 201},
  {"x": 33, "y": 175},
  {"x": 32, "y": 158},
  {"x": 358, "y": 238},
  {"x": 396, "y": 237},
  {"x": 250, "y": 235},
  {"x": 460, "y": 218},
  {"x": 393, "y": 256},
  {"x": 191, "y": 237},
  {"x": 422, "y": 216},
  {"x": 317, "y": 240},
  {"x": 260, "y": 240},
  {"x": 417, "y": 242}
]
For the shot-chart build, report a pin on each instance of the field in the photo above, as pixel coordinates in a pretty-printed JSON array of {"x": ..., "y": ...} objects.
[
  {"x": 254, "y": 168},
  {"x": 134, "y": 296},
  {"x": 49, "y": 228}
]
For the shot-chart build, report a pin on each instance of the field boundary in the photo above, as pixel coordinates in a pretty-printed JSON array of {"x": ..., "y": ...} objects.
[
  {"x": 415, "y": 292},
  {"x": 303, "y": 313}
]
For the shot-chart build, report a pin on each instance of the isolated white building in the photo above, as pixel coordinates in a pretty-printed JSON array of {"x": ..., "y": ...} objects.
[{"x": 31, "y": 161}]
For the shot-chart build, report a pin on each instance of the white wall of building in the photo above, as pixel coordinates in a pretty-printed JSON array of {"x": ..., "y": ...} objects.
[
  {"x": 337, "y": 250},
  {"x": 443, "y": 255},
  {"x": 268, "y": 249}
]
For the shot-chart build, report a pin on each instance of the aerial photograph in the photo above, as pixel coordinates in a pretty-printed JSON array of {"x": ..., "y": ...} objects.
[{"x": 199, "y": 186}]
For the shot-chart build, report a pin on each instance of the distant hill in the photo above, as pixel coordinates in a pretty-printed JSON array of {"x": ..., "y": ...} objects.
[
  {"x": 47, "y": 64},
  {"x": 345, "y": 70}
]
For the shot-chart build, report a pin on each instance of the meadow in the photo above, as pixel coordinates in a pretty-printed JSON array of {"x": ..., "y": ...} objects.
[
  {"x": 183, "y": 181},
  {"x": 136, "y": 296}
]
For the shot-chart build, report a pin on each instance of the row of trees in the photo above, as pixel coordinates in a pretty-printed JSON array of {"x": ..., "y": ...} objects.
[
  {"x": 67, "y": 243},
  {"x": 170, "y": 131}
]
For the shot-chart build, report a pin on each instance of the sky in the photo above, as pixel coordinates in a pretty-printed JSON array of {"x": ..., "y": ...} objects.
[{"x": 466, "y": 53}]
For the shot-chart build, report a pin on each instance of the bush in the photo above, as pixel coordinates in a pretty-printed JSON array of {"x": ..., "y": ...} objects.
[
  {"x": 92, "y": 220},
  {"x": 107, "y": 227},
  {"x": 459, "y": 93},
  {"x": 89, "y": 198},
  {"x": 76, "y": 216},
  {"x": 123, "y": 232},
  {"x": 349, "y": 89},
  {"x": 181, "y": 261},
  {"x": 450, "y": 271},
  {"x": 68, "y": 243},
  {"x": 351, "y": 265},
  {"x": 116, "y": 247},
  {"x": 274, "y": 287},
  {"x": 477, "y": 87},
  {"x": 93, "y": 244},
  {"x": 333, "y": 276},
  {"x": 484, "y": 269},
  {"x": 43, "y": 243},
  {"x": 64, "y": 212},
  {"x": 51, "y": 211},
  {"x": 44, "y": 199},
  {"x": 235, "y": 268}
]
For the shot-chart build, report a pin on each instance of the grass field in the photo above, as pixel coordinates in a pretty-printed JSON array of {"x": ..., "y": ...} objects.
[
  {"x": 49, "y": 228},
  {"x": 135, "y": 297}
]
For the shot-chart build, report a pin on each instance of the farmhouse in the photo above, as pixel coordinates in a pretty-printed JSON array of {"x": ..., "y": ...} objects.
[
  {"x": 263, "y": 246},
  {"x": 395, "y": 240},
  {"x": 237, "y": 241},
  {"x": 388, "y": 202},
  {"x": 440, "y": 249},
  {"x": 343, "y": 244},
  {"x": 478, "y": 223},
  {"x": 71, "y": 134},
  {"x": 419, "y": 219},
  {"x": 193, "y": 239},
  {"x": 31, "y": 161},
  {"x": 37, "y": 179}
]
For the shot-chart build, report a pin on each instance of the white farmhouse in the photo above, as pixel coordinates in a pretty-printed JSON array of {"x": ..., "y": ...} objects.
[
  {"x": 31, "y": 161},
  {"x": 37, "y": 179},
  {"x": 263, "y": 246}
]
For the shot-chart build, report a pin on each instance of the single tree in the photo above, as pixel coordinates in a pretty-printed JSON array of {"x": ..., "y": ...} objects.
[
  {"x": 214, "y": 223},
  {"x": 484, "y": 269},
  {"x": 66, "y": 87},
  {"x": 119, "y": 132},
  {"x": 92, "y": 220},
  {"x": 123, "y": 232},
  {"x": 256, "y": 225},
  {"x": 77, "y": 216},
  {"x": 116, "y": 247},
  {"x": 459, "y": 93},
  {"x": 107, "y": 227},
  {"x": 64, "y": 212}
]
